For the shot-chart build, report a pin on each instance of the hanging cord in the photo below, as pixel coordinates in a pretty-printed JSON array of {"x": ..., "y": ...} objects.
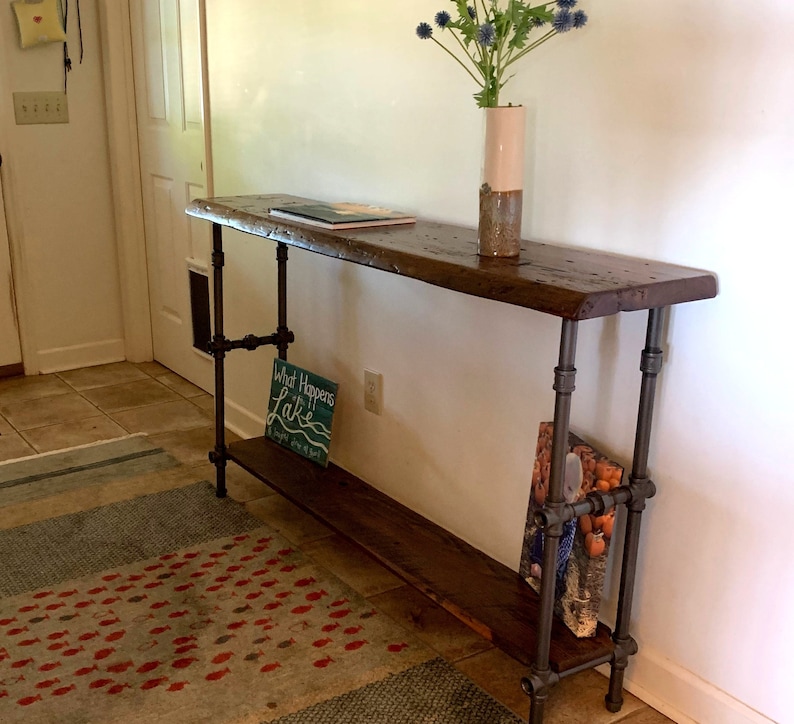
[
  {"x": 80, "y": 30},
  {"x": 67, "y": 61}
]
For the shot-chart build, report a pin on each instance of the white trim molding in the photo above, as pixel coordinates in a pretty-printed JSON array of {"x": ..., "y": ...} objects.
[
  {"x": 59, "y": 359},
  {"x": 114, "y": 22},
  {"x": 681, "y": 695},
  {"x": 23, "y": 292},
  {"x": 242, "y": 421}
]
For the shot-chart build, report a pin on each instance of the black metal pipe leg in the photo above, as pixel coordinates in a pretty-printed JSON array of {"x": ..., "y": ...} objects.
[
  {"x": 282, "y": 330},
  {"x": 218, "y": 351},
  {"x": 538, "y": 689},
  {"x": 542, "y": 678},
  {"x": 625, "y": 646}
]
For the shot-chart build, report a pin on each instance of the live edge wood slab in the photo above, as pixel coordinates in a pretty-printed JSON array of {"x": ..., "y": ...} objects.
[
  {"x": 491, "y": 598},
  {"x": 566, "y": 282}
]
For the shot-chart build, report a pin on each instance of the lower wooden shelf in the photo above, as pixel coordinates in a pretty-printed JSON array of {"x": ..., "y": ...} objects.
[{"x": 494, "y": 600}]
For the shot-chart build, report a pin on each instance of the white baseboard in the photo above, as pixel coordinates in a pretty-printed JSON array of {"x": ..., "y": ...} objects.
[
  {"x": 243, "y": 422},
  {"x": 60, "y": 359},
  {"x": 681, "y": 695}
]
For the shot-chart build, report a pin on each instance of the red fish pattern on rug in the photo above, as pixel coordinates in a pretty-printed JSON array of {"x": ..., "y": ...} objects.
[{"x": 244, "y": 626}]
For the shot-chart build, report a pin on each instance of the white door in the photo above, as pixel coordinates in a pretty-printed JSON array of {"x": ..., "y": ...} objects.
[
  {"x": 167, "y": 40},
  {"x": 10, "y": 352}
]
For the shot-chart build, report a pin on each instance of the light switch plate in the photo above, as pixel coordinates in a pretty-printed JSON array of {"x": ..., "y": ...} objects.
[{"x": 40, "y": 107}]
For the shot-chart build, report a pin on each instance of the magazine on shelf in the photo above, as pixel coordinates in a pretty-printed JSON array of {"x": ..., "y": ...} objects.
[{"x": 341, "y": 215}]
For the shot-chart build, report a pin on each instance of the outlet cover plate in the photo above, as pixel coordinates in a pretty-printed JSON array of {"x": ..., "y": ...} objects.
[
  {"x": 373, "y": 392},
  {"x": 40, "y": 107}
]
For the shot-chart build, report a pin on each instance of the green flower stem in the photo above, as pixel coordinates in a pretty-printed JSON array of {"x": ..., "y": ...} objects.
[
  {"x": 487, "y": 65},
  {"x": 530, "y": 47},
  {"x": 464, "y": 49},
  {"x": 456, "y": 59},
  {"x": 483, "y": 53},
  {"x": 501, "y": 68},
  {"x": 477, "y": 12}
]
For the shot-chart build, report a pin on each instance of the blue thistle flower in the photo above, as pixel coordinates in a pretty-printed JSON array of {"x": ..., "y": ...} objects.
[
  {"x": 486, "y": 34},
  {"x": 563, "y": 21},
  {"x": 472, "y": 12},
  {"x": 442, "y": 18},
  {"x": 579, "y": 19},
  {"x": 424, "y": 31},
  {"x": 566, "y": 4}
]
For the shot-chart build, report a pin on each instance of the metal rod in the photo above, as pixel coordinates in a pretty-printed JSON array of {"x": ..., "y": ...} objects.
[
  {"x": 625, "y": 646},
  {"x": 597, "y": 502},
  {"x": 564, "y": 385},
  {"x": 605, "y": 659},
  {"x": 251, "y": 342},
  {"x": 282, "y": 329},
  {"x": 218, "y": 455}
]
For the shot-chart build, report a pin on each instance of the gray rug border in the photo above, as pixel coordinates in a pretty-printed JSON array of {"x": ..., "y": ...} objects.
[
  {"x": 48, "y": 552},
  {"x": 433, "y": 692}
]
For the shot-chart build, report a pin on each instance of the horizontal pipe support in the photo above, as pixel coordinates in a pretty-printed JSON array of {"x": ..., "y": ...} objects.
[
  {"x": 605, "y": 659},
  {"x": 280, "y": 339},
  {"x": 597, "y": 502}
]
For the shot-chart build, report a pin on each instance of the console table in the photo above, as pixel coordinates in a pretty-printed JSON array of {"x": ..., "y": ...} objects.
[{"x": 572, "y": 284}]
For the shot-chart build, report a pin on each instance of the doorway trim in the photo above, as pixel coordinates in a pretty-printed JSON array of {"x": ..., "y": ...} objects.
[
  {"x": 116, "y": 38},
  {"x": 23, "y": 293}
]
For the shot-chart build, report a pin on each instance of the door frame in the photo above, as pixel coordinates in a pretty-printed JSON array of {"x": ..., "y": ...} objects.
[
  {"x": 22, "y": 289},
  {"x": 125, "y": 173},
  {"x": 11, "y": 362}
]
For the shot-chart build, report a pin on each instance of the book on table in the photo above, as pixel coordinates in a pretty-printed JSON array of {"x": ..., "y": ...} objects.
[{"x": 341, "y": 215}]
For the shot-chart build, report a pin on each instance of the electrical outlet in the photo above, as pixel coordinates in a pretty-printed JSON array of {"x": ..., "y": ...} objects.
[
  {"x": 40, "y": 107},
  {"x": 373, "y": 392}
]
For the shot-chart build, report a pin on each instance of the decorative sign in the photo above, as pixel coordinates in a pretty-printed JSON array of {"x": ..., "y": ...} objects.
[{"x": 300, "y": 411}]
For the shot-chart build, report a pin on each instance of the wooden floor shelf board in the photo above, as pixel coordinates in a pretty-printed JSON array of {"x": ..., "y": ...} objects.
[{"x": 488, "y": 596}]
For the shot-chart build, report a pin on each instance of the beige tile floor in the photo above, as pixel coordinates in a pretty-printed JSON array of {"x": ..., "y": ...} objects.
[{"x": 51, "y": 412}]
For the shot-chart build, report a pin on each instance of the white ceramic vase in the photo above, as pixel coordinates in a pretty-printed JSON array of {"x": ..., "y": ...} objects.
[{"x": 502, "y": 190}]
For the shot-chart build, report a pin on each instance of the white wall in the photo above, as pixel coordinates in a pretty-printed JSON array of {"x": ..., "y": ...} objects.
[
  {"x": 63, "y": 222},
  {"x": 662, "y": 130}
]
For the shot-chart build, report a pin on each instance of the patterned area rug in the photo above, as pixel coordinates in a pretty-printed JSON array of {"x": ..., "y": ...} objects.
[{"x": 179, "y": 607}]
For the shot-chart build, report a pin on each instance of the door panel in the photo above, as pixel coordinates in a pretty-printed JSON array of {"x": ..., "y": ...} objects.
[{"x": 170, "y": 108}]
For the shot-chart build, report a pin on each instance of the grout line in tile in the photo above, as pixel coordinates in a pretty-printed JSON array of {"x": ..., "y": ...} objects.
[
  {"x": 473, "y": 655},
  {"x": 66, "y": 382},
  {"x": 116, "y": 422},
  {"x": 101, "y": 412},
  {"x": 136, "y": 407}
]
